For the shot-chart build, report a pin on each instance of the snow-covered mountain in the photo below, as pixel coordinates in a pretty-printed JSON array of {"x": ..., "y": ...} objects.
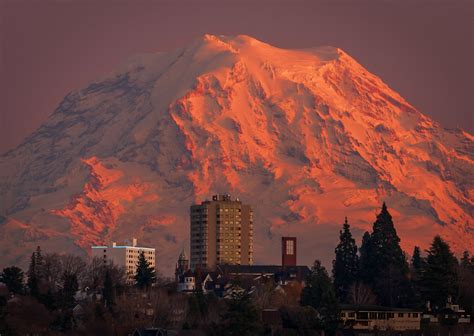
[{"x": 305, "y": 136}]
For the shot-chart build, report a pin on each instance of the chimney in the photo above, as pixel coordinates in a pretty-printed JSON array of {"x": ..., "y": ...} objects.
[
  {"x": 288, "y": 251},
  {"x": 134, "y": 242}
]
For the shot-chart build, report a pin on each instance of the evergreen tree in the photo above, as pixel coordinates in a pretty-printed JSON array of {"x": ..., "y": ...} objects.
[
  {"x": 241, "y": 317},
  {"x": 39, "y": 264},
  {"x": 388, "y": 268},
  {"x": 36, "y": 273},
  {"x": 13, "y": 278},
  {"x": 319, "y": 293},
  {"x": 416, "y": 261},
  {"x": 345, "y": 265},
  {"x": 439, "y": 278},
  {"x": 465, "y": 260},
  {"x": 415, "y": 269},
  {"x": 32, "y": 282},
  {"x": 365, "y": 262},
  {"x": 146, "y": 275}
]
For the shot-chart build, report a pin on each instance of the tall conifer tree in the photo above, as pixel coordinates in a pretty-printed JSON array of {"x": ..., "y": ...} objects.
[
  {"x": 384, "y": 264},
  {"x": 345, "y": 265},
  {"x": 465, "y": 260},
  {"x": 415, "y": 272},
  {"x": 35, "y": 273},
  {"x": 32, "y": 281},
  {"x": 439, "y": 277},
  {"x": 416, "y": 261},
  {"x": 365, "y": 262},
  {"x": 146, "y": 275}
]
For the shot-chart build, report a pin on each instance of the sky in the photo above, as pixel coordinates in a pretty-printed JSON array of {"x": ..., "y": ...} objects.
[{"x": 422, "y": 49}]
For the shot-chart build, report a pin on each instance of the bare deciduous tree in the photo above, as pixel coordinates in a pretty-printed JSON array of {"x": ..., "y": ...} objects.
[{"x": 360, "y": 293}]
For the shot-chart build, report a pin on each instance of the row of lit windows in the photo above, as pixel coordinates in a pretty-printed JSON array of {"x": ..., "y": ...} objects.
[
  {"x": 228, "y": 222},
  {"x": 378, "y": 315},
  {"x": 228, "y": 209},
  {"x": 228, "y": 252}
]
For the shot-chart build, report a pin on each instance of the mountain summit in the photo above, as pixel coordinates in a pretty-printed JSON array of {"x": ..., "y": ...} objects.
[{"x": 305, "y": 136}]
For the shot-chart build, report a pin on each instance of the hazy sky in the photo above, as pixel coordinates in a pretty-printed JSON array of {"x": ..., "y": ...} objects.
[{"x": 422, "y": 49}]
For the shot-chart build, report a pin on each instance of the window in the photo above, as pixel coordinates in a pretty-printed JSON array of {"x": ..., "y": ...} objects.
[
  {"x": 290, "y": 247},
  {"x": 400, "y": 314},
  {"x": 415, "y": 314}
]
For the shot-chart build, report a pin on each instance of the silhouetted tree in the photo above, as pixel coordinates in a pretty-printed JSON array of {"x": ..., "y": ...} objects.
[
  {"x": 319, "y": 293},
  {"x": 345, "y": 265},
  {"x": 13, "y": 278},
  {"x": 383, "y": 263},
  {"x": 146, "y": 274},
  {"x": 241, "y": 317},
  {"x": 365, "y": 262},
  {"x": 416, "y": 261},
  {"x": 466, "y": 281},
  {"x": 303, "y": 320},
  {"x": 416, "y": 266},
  {"x": 439, "y": 278},
  {"x": 466, "y": 259},
  {"x": 33, "y": 280},
  {"x": 361, "y": 294}
]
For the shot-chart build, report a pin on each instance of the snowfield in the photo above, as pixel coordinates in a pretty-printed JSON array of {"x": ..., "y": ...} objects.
[{"x": 306, "y": 137}]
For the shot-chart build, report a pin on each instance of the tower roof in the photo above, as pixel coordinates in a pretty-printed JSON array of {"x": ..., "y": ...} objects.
[{"x": 183, "y": 256}]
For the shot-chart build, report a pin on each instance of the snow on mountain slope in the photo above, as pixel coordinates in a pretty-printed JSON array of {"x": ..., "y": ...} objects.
[{"x": 305, "y": 136}]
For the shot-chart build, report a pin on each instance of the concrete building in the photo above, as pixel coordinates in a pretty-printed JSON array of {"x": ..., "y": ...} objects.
[
  {"x": 125, "y": 256},
  {"x": 221, "y": 233}
]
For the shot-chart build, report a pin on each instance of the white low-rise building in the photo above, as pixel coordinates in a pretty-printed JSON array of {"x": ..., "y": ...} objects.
[
  {"x": 369, "y": 317},
  {"x": 125, "y": 256}
]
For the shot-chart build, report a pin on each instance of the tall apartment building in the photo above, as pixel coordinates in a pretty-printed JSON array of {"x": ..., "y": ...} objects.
[
  {"x": 221, "y": 232},
  {"x": 124, "y": 256}
]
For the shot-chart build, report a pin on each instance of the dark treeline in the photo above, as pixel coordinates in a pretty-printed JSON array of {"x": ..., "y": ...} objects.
[
  {"x": 63, "y": 294},
  {"x": 379, "y": 272}
]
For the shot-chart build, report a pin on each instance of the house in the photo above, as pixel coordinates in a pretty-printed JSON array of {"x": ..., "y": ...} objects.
[
  {"x": 372, "y": 317},
  {"x": 450, "y": 314},
  {"x": 186, "y": 282}
]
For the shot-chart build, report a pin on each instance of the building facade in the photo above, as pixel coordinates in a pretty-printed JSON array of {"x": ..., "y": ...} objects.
[
  {"x": 221, "y": 233},
  {"x": 125, "y": 256},
  {"x": 368, "y": 317}
]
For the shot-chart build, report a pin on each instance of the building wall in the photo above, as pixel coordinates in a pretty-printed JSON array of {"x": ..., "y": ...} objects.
[
  {"x": 221, "y": 232},
  {"x": 382, "y": 320},
  {"x": 288, "y": 251}
]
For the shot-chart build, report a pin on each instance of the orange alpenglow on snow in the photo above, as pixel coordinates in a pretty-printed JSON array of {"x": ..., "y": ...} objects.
[{"x": 304, "y": 136}]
